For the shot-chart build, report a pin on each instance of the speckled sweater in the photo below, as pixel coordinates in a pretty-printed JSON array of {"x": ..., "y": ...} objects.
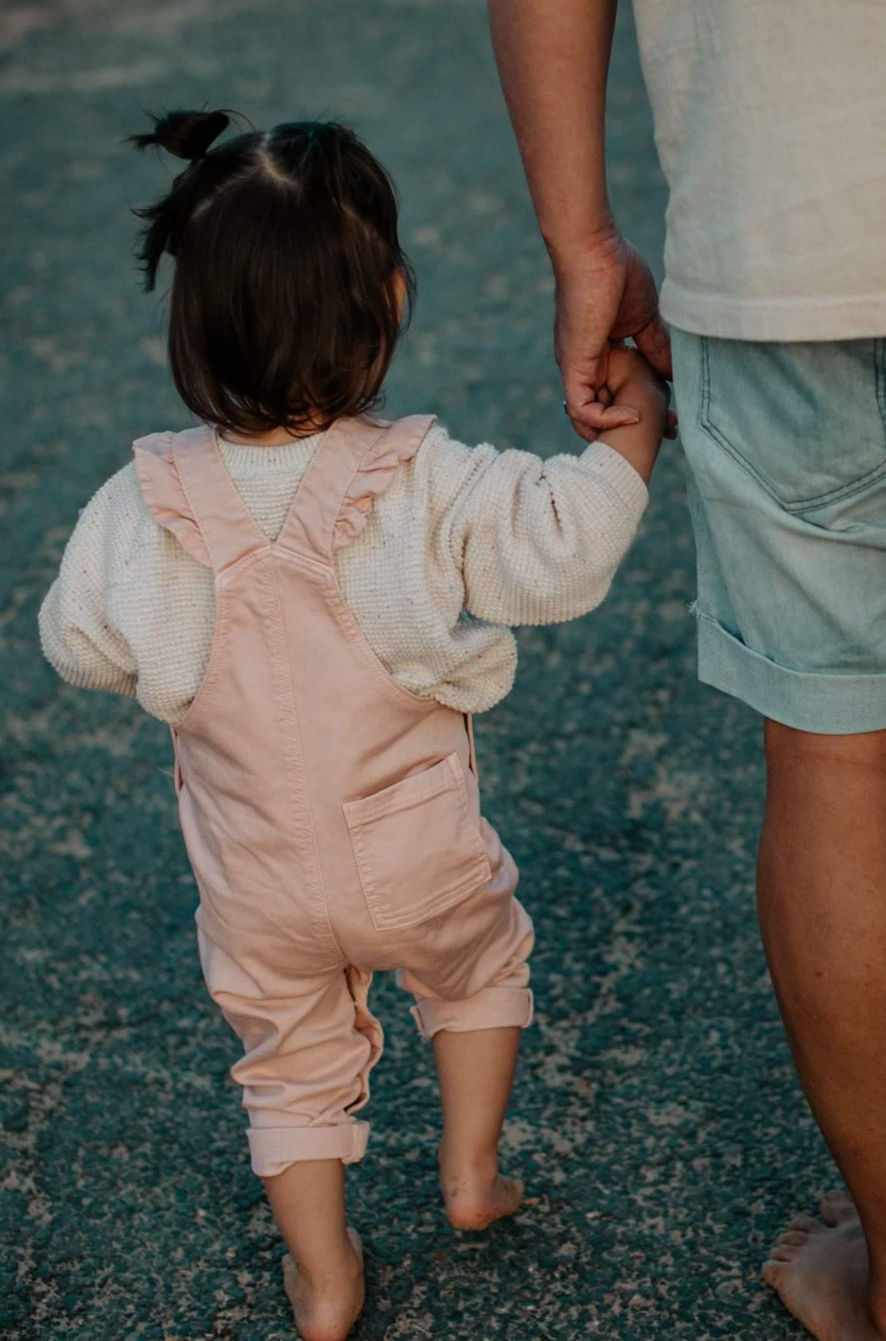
[{"x": 462, "y": 544}]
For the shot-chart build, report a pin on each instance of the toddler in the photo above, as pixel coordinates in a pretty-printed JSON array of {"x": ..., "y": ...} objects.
[{"x": 317, "y": 601}]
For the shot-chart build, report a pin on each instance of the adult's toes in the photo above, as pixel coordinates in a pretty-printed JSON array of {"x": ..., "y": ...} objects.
[
  {"x": 783, "y": 1252},
  {"x": 837, "y": 1208},
  {"x": 805, "y": 1224},
  {"x": 795, "y": 1236}
]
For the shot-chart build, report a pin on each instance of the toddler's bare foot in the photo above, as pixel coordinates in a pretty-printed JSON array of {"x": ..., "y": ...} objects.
[
  {"x": 820, "y": 1270},
  {"x": 326, "y": 1309},
  {"x": 475, "y": 1193}
]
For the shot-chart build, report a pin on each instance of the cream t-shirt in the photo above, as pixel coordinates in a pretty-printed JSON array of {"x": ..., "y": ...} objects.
[{"x": 770, "y": 121}]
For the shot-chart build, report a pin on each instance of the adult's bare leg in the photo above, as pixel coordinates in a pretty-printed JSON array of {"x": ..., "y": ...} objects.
[{"x": 822, "y": 904}]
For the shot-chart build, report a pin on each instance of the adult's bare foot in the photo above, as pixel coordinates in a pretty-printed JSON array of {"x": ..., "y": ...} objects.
[
  {"x": 326, "y": 1310},
  {"x": 819, "y": 1268}
]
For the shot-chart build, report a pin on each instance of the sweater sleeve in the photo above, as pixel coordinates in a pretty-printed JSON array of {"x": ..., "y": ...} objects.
[
  {"x": 76, "y": 630},
  {"x": 539, "y": 541}
]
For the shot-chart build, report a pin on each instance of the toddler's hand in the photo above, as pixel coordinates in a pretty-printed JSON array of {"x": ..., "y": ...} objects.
[
  {"x": 630, "y": 375},
  {"x": 634, "y": 382}
]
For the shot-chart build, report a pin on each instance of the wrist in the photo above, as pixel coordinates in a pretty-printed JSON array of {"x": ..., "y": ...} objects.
[
  {"x": 595, "y": 248},
  {"x": 640, "y": 452},
  {"x": 639, "y": 444},
  {"x": 628, "y": 473}
]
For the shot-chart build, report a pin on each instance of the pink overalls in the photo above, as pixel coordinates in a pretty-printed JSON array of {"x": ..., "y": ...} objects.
[{"x": 331, "y": 817}]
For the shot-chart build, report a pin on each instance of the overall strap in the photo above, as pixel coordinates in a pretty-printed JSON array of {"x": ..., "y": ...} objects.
[
  {"x": 226, "y": 524},
  {"x": 353, "y": 465}
]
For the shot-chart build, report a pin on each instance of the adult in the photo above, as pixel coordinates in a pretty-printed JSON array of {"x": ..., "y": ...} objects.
[{"x": 770, "y": 122}]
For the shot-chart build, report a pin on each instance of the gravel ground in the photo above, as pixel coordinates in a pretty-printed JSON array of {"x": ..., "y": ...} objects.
[{"x": 657, "y": 1119}]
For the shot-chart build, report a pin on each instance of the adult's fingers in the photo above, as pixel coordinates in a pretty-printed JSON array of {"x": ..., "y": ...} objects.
[
  {"x": 593, "y": 418},
  {"x": 654, "y": 344},
  {"x": 580, "y": 385},
  {"x": 589, "y": 402}
]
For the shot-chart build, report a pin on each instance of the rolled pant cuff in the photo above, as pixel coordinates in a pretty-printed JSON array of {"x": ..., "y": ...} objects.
[
  {"x": 821, "y": 703},
  {"x": 493, "y": 1008},
  {"x": 273, "y": 1149}
]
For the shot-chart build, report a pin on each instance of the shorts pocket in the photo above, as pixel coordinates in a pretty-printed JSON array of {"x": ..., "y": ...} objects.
[
  {"x": 417, "y": 846},
  {"x": 806, "y": 420}
]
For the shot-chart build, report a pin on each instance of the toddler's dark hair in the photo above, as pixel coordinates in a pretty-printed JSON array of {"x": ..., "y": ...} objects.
[{"x": 284, "y": 309}]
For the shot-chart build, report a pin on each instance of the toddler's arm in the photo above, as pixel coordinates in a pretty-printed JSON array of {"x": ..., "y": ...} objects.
[
  {"x": 538, "y": 542},
  {"x": 632, "y": 381},
  {"x": 76, "y": 630}
]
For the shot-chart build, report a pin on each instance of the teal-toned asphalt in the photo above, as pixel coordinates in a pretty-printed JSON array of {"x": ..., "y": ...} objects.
[{"x": 657, "y": 1119}]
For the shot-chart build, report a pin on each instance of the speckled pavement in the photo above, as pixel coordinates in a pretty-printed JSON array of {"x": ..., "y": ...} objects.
[{"x": 657, "y": 1119}]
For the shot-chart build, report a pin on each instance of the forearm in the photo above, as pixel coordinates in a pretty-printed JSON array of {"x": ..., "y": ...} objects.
[
  {"x": 636, "y": 445},
  {"x": 538, "y": 541},
  {"x": 553, "y": 59}
]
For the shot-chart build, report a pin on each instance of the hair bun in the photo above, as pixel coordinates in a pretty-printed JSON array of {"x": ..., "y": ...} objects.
[{"x": 185, "y": 134}]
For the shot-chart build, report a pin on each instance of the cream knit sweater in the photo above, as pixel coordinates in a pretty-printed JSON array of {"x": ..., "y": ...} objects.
[{"x": 460, "y": 545}]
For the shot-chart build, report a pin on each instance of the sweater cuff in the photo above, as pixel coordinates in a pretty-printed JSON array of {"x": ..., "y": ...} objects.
[{"x": 624, "y": 482}]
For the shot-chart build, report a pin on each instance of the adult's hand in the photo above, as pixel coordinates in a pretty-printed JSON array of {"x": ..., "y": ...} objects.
[{"x": 605, "y": 294}]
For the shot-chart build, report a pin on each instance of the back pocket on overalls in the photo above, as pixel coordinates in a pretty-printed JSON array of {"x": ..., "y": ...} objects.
[{"x": 417, "y": 846}]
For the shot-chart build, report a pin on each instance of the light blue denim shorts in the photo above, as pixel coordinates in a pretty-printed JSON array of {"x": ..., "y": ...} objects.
[{"x": 786, "y": 445}]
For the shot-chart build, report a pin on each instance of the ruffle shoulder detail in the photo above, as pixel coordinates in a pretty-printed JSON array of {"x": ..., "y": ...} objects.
[
  {"x": 397, "y": 445},
  {"x": 164, "y": 493}
]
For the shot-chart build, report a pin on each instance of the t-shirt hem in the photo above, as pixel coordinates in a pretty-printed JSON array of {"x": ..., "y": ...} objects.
[{"x": 804, "y": 319}]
